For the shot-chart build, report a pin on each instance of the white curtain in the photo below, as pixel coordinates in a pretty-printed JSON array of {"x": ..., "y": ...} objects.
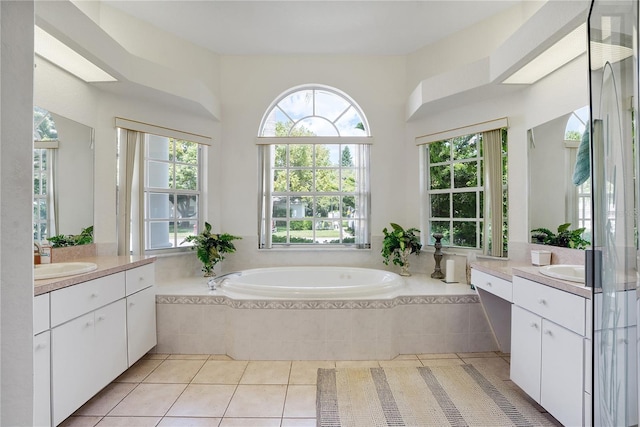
[
  {"x": 131, "y": 193},
  {"x": 493, "y": 218}
]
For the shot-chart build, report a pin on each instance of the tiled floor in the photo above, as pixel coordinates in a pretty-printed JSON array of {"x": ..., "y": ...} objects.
[{"x": 202, "y": 390}]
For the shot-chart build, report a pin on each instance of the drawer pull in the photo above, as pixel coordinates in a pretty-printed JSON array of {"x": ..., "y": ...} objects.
[
  {"x": 542, "y": 301},
  {"x": 131, "y": 304},
  {"x": 101, "y": 318},
  {"x": 548, "y": 332},
  {"x": 94, "y": 295},
  {"x": 489, "y": 284},
  {"x": 141, "y": 278},
  {"x": 89, "y": 323},
  {"x": 40, "y": 346},
  {"x": 534, "y": 325}
]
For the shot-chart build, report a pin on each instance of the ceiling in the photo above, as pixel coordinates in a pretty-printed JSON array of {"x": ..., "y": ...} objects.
[{"x": 312, "y": 27}]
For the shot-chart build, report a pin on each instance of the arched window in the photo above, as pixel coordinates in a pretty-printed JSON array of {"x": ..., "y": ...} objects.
[{"x": 314, "y": 144}]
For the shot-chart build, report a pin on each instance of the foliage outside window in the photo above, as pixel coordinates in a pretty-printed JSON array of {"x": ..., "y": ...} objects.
[
  {"x": 315, "y": 191},
  {"x": 171, "y": 191},
  {"x": 44, "y": 129},
  {"x": 455, "y": 175}
]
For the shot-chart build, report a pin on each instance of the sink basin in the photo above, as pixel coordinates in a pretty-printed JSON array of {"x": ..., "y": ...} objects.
[
  {"x": 573, "y": 273},
  {"x": 61, "y": 269}
]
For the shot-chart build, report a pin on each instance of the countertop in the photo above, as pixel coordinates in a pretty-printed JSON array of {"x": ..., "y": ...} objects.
[
  {"x": 507, "y": 269},
  {"x": 106, "y": 265}
]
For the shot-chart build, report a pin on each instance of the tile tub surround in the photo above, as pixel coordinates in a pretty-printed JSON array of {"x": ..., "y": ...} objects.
[{"x": 426, "y": 317}]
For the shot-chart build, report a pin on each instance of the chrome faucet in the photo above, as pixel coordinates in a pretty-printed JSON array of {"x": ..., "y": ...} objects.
[{"x": 218, "y": 281}]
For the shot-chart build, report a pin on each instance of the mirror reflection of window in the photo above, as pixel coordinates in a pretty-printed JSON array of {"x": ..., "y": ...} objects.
[
  {"x": 45, "y": 136},
  {"x": 578, "y": 196}
]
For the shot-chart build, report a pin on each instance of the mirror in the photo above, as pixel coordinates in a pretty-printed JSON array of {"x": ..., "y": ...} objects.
[
  {"x": 63, "y": 175},
  {"x": 554, "y": 199}
]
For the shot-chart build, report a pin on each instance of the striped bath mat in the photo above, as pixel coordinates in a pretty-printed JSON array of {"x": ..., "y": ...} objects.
[{"x": 420, "y": 396}]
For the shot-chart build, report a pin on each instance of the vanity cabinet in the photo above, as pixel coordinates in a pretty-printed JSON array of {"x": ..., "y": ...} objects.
[
  {"x": 495, "y": 295},
  {"x": 548, "y": 348},
  {"x": 41, "y": 362},
  {"x": 98, "y": 329}
]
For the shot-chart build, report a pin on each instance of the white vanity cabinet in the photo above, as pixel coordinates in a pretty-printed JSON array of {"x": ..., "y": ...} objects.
[
  {"x": 41, "y": 362},
  {"x": 495, "y": 294},
  {"x": 548, "y": 348},
  {"x": 98, "y": 329}
]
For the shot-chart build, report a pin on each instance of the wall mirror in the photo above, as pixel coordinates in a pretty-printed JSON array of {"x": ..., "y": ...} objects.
[
  {"x": 63, "y": 175},
  {"x": 554, "y": 199}
]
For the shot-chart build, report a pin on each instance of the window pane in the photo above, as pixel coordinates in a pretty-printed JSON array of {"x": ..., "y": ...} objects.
[
  {"x": 440, "y": 205},
  {"x": 186, "y": 152},
  {"x": 298, "y": 104},
  {"x": 280, "y": 180},
  {"x": 348, "y": 180},
  {"x": 465, "y": 174},
  {"x": 350, "y": 124},
  {"x": 301, "y": 231},
  {"x": 36, "y": 184},
  {"x": 464, "y": 205},
  {"x": 298, "y": 208},
  {"x": 186, "y": 177},
  {"x": 327, "y": 155},
  {"x": 301, "y": 180},
  {"x": 159, "y": 206},
  {"x": 186, "y": 206},
  {"x": 328, "y": 207},
  {"x": 465, "y": 147},
  {"x": 327, "y": 180},
  {"x": 301, "y": 155},
  {"x": 314, "y": 126},
  {"x": 279, "y": 207},
  {"x": 464, "y": 234},
  {"x": 182, "y": 229},
  {"x": 440, "y": 177},
  {"x": 158, "y": 175},
  {"x": 327, "y": 232},
  {"x": 279, "y": 153},
  {"x": 439, "y": 152},
  {"x": 158, "y": 147},
  {"x": 349, "y": 207},
  {"x": 346, "y": 157},
  {"x": 441, "y": 227},
  {"x": 158, "y": 235},
  {"x": 42, "y": 209},
  {"x": 329, "y": 105}
]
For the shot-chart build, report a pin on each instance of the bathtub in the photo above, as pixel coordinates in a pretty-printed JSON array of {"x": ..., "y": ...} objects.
[
  {"x": 319, "y": 313},
  {"x": 315, "y": 282}
]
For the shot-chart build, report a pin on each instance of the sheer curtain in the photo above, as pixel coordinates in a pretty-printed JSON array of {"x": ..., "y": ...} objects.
[
  {"x": 131, "y": 192},
  {"x": 492, "y": 148}
]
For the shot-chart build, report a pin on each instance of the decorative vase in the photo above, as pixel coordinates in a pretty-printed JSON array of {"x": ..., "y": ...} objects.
[{"x": 404, "y": 257}]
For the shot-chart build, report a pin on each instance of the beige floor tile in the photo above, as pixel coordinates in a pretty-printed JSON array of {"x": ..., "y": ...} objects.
[
  {"x": 406, "y": 357},
  {"x": 220, "y": 357},
  {"x": 149, "y": 400},
  {"x": 250, "y": 422},
  {"x": 496, "y": 366},
  {"x": 306, "y": 372},
  {"x": 428, "y": 356},
  {"x": 202, "y": 400},
  {"x": 139, "y": 371},
  {"x": 158, "y": 356},
  {"x": 300, "y": 401},
  {"x": 74, "y": 421},
  {"x": 129, "y": 422},
  {"x": 442, "y": 362},
  {"x": 220, "y": 372},
  {"x": 266, "y": 372},
  {"x": 399, "y": 363},
  {"x": 298, "y": 422},
  {"x": 189, "y": 356},
  {"x": 175, "y": 371},
  {"x": 257, "y": 401},
  {"x": 481, "y": 354},
  {"x": 357, "y": 364},
  {"x": 103, "y": 402},
  {"x": 189, "y": 422}
]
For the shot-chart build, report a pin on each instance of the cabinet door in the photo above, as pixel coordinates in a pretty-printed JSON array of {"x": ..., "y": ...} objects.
[
  {"x": 73, "y": 365},
  {"x": 42, "y": 379},
  {"x": 110, "y": 359},
  {"x": 526, "y": 351},
  {"x": 141, "y": 323},
  {"x": 562, "y": 389}
]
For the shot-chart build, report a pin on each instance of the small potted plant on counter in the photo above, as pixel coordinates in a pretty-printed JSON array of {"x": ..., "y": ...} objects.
[
  {"x": 398, "y": 244},
  {"x": 211, "y": 247},
  {"x": 564, "y": 238}
]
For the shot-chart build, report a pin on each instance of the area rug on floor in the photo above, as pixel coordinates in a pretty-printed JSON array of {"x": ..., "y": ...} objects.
[{"x": 420, "y": 396}]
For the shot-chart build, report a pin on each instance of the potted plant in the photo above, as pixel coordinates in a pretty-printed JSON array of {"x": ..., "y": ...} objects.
[
  {"x": 398, "y": 244},
  {"x": 211, "y": 247},
  {"x": 565, "y": 238}
]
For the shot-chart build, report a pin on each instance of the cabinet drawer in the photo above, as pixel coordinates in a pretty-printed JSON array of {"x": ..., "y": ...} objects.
[
  {"x": 74, "y": 301},
  {"x": 40, "y": 313},
  {"x": 558, "y": 306},
  {"x": 492, "y": 284},
  {"x": 140, "y": 278}
]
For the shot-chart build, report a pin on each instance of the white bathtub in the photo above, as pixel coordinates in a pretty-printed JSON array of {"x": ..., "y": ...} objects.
[{"x": 316, "y": 282}]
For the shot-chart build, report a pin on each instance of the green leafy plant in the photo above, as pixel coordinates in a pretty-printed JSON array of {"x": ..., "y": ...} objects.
[
  {"x": 211, "y": 247},
  {"x": 565, "y": 237},
  {"x": 61, "y": 241},
  {"x": 396, "y": 241}
]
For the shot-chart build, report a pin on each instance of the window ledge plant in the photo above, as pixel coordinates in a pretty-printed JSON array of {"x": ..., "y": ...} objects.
[
  {"x": 398, "y": 244},
  {"x": 565, "y": 237},
  {"x": 211, "y": 247}
]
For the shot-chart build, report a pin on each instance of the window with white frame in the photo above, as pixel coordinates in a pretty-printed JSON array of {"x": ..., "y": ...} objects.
[
  {"x": 159, "y": 188},
  {"x": 45, "y": 137},
  {"x": 460, "y": 187},
  {"x": 314, "y": 145},
  {"x": 578, "y": 197}
]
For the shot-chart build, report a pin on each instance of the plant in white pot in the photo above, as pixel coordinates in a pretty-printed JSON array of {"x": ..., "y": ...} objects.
[
  {"x": 398, "y": 244},
  {"x": 211, "y": 247}
]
